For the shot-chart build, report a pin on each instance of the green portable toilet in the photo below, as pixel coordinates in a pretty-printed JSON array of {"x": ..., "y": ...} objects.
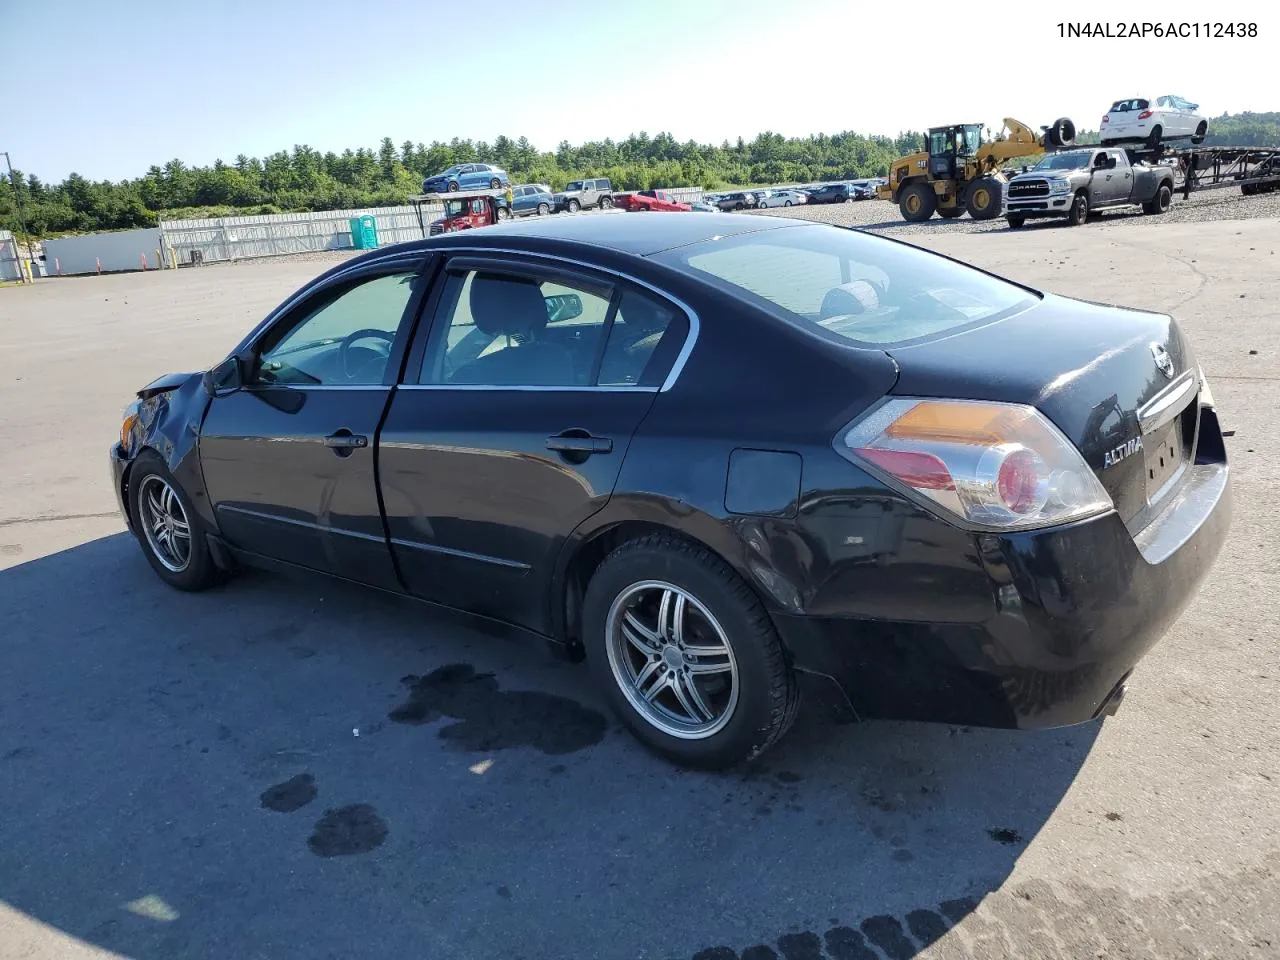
[{"x": 364, "y": 233}]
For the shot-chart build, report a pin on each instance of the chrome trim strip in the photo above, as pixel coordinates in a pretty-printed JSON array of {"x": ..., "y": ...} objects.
[
  {"x": 250, "y": 387},
  {"x": 462, "y": 554},
  {"x": 276, "y": 518},
  {"x": 1168, "y": 403},
  {"x": 527, "y": 389},
  {"x": 695, "y": 324}
]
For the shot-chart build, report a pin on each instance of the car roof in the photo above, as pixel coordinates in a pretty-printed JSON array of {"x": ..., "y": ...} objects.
[{"x": 632, "y": 234}]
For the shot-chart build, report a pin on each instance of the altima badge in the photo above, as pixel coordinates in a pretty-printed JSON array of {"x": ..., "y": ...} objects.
[
  {"x": 1115, "y": 455},
  {"x": 1164, "y": 362}
]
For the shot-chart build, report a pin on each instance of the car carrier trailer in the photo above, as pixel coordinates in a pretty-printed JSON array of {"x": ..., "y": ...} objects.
[{"x": 1252, "y": 169}]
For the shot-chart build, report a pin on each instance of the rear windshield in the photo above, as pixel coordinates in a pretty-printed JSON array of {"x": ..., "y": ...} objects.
[{"x": 849, "y": 286}]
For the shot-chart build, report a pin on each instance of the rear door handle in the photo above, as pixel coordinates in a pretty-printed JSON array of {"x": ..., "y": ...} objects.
[{"x": 579, "y": 444}]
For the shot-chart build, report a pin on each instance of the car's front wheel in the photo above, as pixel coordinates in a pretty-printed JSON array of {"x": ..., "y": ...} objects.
[
  {"x": 169, "y": 529},
  {"x": 686, "y": 653},
  {"x": 1079, "y": 212},
  {"x": 574, "y": 206}
]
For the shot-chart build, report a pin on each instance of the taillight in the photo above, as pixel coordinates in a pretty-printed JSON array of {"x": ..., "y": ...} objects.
[
  {"x": 1105, "y": 118},
  {"x": 1145, "y": 114},
  {"x": 995, "y": 466}
]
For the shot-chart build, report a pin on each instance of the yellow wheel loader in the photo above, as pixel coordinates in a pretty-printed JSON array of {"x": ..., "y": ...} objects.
[{"x": 958, "y": 172}]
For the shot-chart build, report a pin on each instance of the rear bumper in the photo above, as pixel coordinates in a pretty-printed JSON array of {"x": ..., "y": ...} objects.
[{"x": 1075, "y": 609}]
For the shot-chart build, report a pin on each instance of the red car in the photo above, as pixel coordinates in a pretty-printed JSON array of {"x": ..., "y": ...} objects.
[{"x": 649, "y": 200}]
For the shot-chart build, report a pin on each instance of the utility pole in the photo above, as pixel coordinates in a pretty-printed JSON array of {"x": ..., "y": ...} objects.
[{"x": 17, "y": 199}]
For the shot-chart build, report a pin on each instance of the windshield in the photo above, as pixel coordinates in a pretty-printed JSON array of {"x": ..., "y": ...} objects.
[
  {"x": 573, "y": 185},
  {"x": 451, "y": 171},
  {"x": 453, "y": 208},
  {"x": 849, "y": 286},
  {"x": 1075, "y": 160}
]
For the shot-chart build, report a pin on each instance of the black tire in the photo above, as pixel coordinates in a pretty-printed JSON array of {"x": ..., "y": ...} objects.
[
  {"x": 504, "y": 213},
  {"x": 200, "y": 572},
  {"x": 544, "y": 209},
  {"x": 1161, "y": 202},
  {"x": 984, "y": 199},
  {"x": 1202, "y": 130},
  {"x": 1079, "y": 213},
  {"x": 787, "y": 204},
  {"x": 917, "y": 202},
  {"x": 495, "y": 184},
  {"x": 951, "y": 214},
  {"x": 1248, "y": 189},
  {"x": 453, "y": 186},
  {"x": 768, "y": 698},
  {"x": 1153, "y": 138},
  {"x": 606, "y": 203},
  {"x": 1016, "y": 221},
  {"x": 1061, "y": 134},
  {"x": 573, "y": 206}
]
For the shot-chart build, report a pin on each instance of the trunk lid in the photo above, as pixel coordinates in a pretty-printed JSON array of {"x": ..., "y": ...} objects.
[{"x": 1121, "y": 384}]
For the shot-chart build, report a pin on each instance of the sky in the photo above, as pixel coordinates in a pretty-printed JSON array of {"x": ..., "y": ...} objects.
[{"x": 107, "y": 88}]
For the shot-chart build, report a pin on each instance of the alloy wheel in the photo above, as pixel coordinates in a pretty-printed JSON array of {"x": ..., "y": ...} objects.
[
  {"x": 165, "y": 524},
  {"x": 672, "y": 660}
]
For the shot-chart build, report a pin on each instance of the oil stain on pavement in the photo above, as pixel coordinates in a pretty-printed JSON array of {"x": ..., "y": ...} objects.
[
  {"x": 294, "y": 794},
  {"x": 346, "y": 831},
  {"x": 874, "y": 938},
  {"x": 491, "y": 719}
]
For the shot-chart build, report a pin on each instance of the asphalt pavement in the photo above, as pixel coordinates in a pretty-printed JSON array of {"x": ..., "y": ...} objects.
[{"x": 288, "y": 767}]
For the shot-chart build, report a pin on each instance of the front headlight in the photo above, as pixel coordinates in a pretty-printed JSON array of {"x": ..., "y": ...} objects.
[
  {"x": 126, "y": 427},
  {"x": 1058, "y": 186}
]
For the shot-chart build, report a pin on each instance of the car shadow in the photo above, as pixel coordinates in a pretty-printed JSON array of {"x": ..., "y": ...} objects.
[{"x": 285, "y": 766}]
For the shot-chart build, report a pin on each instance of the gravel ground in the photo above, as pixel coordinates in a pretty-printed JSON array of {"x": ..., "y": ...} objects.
[
  {"x": 1208, "y": 205},
  {"x": 1221, "y": 204}
]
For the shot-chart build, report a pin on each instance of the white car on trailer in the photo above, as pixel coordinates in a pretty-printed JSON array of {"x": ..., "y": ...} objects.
[{"x": 1152, "y": 121}]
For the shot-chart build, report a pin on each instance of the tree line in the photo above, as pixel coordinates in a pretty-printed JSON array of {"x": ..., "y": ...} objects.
[{"x": 304, "y": 179}]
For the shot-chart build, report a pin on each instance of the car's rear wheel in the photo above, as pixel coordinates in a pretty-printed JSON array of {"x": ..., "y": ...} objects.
[
  {"x": 1153, "y": 138},
  {"x": 1161, "y": 202},
  {"x": 543, "y": 209},
  {"x": 1202, "y": 130},
  {"x": 168, "y": 528},
  {"x": 606, "y": 203},
  {"x": 686, "y": 653},
  {"x": 787, "y": 203}
]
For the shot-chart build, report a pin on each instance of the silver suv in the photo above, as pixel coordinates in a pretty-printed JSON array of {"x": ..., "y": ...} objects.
[{"x": 585, "y": 194}]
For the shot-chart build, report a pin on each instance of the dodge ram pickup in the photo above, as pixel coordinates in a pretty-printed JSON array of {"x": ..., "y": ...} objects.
[{"x": 1075, "y": 183}]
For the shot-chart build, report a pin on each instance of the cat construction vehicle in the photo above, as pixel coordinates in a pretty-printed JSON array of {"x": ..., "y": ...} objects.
[{"x": 959, "y": 171}]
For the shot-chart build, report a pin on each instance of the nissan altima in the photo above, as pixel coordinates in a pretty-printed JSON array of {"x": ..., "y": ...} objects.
[{"x": 726, "y": 460}]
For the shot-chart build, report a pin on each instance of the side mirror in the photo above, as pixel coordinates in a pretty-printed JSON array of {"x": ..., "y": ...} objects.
[
  {"x": 563, "y": 306},
  {"x": 225, "y": 377}
]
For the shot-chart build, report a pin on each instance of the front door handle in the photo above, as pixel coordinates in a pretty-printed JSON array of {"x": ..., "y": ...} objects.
[{"x": 343, "y": 441}]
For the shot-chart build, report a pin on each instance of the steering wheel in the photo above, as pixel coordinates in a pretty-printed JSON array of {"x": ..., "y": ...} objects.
[{"x": 344, "y": 349}]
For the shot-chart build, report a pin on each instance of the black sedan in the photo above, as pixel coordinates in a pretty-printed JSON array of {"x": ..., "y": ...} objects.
[{"x": 720, "y": 458}]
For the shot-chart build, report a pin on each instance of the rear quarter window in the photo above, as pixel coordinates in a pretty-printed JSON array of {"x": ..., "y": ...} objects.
[{"x": 850, "y": 287}]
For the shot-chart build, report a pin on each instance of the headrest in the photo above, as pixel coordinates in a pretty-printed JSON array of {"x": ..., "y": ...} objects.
[
  {"x": 850, "y": 299},
  {"x": 505, "y": 305},
  {"x": 641, "y": 313}
]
